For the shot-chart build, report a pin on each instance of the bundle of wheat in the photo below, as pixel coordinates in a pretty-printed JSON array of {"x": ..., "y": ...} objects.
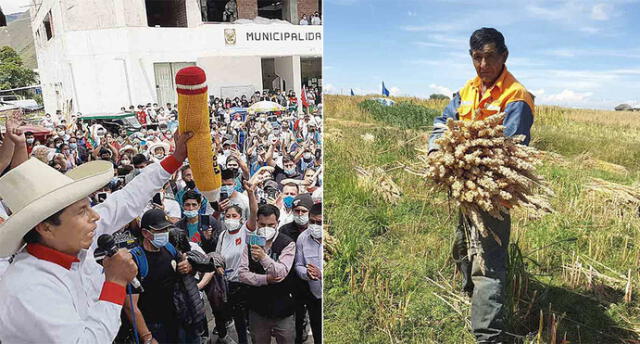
[
  {"x": 486, "y": 171},
  {"x": 377, "y": 180}
]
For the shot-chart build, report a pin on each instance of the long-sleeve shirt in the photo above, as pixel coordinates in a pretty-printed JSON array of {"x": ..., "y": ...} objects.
[
  {"x": 309, "y": 251},
  {"x": 50, "y": 297},
  {"x": 278, "y": 269}
]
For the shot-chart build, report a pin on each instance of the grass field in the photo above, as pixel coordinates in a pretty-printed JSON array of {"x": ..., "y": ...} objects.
[{"x": 391, "y": 278}]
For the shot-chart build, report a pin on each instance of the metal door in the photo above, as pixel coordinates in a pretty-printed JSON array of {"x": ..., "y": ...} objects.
[{"x": 164, "y": 83}]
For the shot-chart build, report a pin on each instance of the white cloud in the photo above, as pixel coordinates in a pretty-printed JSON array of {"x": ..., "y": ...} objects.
[
  {"x": 538, "y": 92},
  {"x": 329, "y": 88},
  {"x": 441, "y": 90},
  {"x": 411, "y": 14},
  {"x": 600, "y": 12},
  {"x": 567, "y": 97},
  {"x": 394, "y": 91}
]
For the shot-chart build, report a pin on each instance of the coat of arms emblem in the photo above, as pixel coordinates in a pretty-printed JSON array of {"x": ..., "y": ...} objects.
[{"x": 230, "y": 36}]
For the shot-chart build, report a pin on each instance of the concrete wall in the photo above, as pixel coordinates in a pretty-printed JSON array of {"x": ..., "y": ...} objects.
[
  {"x": 93, "y": 60},
  {"x": 284, "y": 69},
  {"x": 226, "y": 71}
]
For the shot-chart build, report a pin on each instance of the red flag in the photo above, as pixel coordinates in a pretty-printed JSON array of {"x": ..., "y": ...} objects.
[{"x": 303, "y": 97}]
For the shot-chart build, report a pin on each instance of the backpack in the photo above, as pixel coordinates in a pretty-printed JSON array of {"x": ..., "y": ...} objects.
[
  {"x": 186, "y": 296},
  {"x": 141, "y": 259}
]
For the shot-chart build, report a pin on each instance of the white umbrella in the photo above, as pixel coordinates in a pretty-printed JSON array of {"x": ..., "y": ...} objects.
[{"x": 265, "y": 106}]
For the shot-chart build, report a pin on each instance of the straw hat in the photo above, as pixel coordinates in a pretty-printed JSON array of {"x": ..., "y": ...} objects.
[{"x": 33, "y": 191}]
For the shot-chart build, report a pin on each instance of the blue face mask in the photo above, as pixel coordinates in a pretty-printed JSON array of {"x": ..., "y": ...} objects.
[
  {"x": 288, "y": 201},
  {"x": 73, "y": 146},
  {"x": 228, "y": 189},
  {"x": 190, "y": 213},
  {"x": 160, "y": 239}
]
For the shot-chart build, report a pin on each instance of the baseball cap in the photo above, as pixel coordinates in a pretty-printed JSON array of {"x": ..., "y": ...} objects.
[
  {"x": 303, "y": 200},
  {"x": 155, "y": 219}
]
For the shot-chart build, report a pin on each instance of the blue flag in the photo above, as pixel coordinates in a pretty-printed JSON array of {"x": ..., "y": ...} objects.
[
  {"x": 385, "y": 91},
  {"x": 353, "y": 94}
]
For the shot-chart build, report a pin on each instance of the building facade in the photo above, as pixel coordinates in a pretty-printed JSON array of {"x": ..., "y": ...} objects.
[{"x": 96, "y": 56}]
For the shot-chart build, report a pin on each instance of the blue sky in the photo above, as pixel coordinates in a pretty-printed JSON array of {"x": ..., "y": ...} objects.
[{"x": 582, "y": 54}]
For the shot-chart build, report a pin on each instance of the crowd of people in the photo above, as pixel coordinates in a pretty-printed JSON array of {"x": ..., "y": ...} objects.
[
  {"x": 313, "y": 19},
  {"x": 254, "y": 256}
]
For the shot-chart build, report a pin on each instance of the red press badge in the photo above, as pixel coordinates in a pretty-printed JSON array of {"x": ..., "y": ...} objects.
[{"x": 238, "y": 241}]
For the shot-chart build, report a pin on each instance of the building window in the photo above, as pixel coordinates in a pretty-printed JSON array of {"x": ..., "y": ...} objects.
[
  {"x": 48, "y": 26},
  {"x": 166, "y": 13},
  {"x": 219, "y": 11},
  {"x": 270, "y": 9}
]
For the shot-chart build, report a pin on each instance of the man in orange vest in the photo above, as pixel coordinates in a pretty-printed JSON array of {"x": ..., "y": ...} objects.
[{"x": 492, "y": 91}]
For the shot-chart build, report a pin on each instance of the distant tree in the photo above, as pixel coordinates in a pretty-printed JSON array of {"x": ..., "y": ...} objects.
[
  {"x": 12, "y": 72},
  {"x": 438, "y": 96},
  {"x": 623, "y": 107}
]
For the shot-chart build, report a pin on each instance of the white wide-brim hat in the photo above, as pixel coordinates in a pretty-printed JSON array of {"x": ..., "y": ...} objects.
[
  {"x": 33, "y": 191},
  {"x": 153, "y": 146}
]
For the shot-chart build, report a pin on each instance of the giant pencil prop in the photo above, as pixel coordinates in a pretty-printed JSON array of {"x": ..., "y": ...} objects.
[{"x": 193, "y": 115}]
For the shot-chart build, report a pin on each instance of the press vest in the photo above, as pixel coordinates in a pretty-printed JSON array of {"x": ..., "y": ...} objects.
[{"x": 273, "y": 301}]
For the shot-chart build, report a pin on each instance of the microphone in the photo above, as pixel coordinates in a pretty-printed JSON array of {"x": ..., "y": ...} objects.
[{"x": 107, "y": 245}]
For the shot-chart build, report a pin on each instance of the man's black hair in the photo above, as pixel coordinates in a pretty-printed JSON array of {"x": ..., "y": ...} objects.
[
  {"x": 228, "y": 174},
  {"x": 316, "y": 209},
  {"x": 268, "y": 210},
  {"x": 487, "y": 35},
  {"x": 138, "y": 159},
  {"x": 28, "y": 133},
  {"x": 192, "y": 194},
  {"x": 184, "y": 168},
  {"x": 33, "y": 236}
]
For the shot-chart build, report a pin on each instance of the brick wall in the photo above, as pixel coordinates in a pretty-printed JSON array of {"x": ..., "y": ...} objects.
[
  {"x": 247, "y": 9},
  {"x": 307, "y": 7},
  {"x": 181, "y": 13}
]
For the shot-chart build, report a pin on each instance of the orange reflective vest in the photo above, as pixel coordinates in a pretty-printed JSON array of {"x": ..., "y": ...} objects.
[{"x": 477, "y": 106}]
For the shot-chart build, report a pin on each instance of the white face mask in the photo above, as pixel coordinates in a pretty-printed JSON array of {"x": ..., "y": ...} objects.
[
  {"x": 232, "y": 224},
  {"x": 315, "y": 231},
  {"x": 266, "y": 232},
  {"x": 159, "y": 156},
  {"x": 301, "y": 220}
]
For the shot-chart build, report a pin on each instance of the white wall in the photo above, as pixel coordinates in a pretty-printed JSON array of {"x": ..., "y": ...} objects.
[
  {"x": 284, "y": 69},
  {"x": 231, "y": 71},
  {"x": 96, "y": 57}
]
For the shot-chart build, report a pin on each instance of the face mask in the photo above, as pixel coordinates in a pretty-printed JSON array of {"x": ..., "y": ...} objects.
[
  {"x": 307, "y": 156},
  {"x": 290, "y": 172},
  {"x": 232, "y": 224},
  {"x": 226, "y": 152},
  {"x": 301, "y": 220},
  {"x": 190, "y": 213},
  {"x": 228, "y": 189},
  {"x": 30, "y": 140},
  {"x": 125, "y": 162},
  {"x": 288, "y": 201},
  {"x": 190, "y": 184},
  {"x": 266, "y": 232},
  {"x": 159, "y": 156},
  {"x": 160, "y": 239},
  {"x": 73, "y": 146},
  {"x": 315, "y": 231},
  {"x": 58, "y": 145}
]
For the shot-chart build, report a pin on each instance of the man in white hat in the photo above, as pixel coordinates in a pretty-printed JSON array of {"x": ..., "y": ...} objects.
[{"x": 54, "y": 291}]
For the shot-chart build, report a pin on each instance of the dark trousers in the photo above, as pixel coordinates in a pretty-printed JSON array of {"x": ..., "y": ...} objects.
[
  {"x": 314, "y": 306},
  {"x": 238, "y": 310},
  {"x": 483, "y": 264},
  {"x": 170, "y": 332}
]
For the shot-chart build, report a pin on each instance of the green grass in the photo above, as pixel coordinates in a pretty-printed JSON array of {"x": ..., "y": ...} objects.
[
  {"x": 403, "y": 114},
  {"x": 376, "y": 287}
]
